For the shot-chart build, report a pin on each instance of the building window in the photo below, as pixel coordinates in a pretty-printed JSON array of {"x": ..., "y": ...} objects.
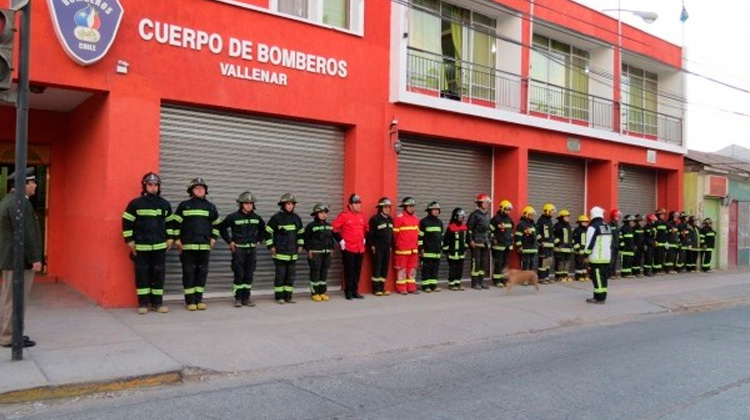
[
  {"x": 451, "y": 50},
  {"x": 639, "y": 97},
  {"x": 336, "y": 13},
  {"x": 559, "y": 79}
]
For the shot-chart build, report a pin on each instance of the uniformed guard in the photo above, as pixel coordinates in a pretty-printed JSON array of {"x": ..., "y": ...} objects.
[
  {"x": 501, "y": 228},
  {"x": 284, "y": 238},
  {"x": 380, "y": 241},
  {"x": 660, "y": 241},
  {"x": 673, "y": 243},
  {"x": 614, "y": 226},
  {"x": 649, "y": 245},
  {"x": 146, "y": 227},
  {"x": 243, "y": 230},
  {"x": 693, "y": 245},
  {"x": 430, "y": 247},
  {"x": 319, "y": 244},
  {"x": 479, "y": 241},
  {"x": 196, "y": 223},
  {"x": 454, "y": 247}
]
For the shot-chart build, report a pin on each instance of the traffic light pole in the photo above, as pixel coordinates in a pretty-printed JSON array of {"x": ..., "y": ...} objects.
[{"x": 22, "y": 130}]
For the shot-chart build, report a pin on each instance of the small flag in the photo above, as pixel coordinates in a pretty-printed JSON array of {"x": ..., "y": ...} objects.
[{"x": 684, "y": 15}]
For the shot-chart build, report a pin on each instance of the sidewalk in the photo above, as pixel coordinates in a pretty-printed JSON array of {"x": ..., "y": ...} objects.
[{"x": 83, "y": 348}]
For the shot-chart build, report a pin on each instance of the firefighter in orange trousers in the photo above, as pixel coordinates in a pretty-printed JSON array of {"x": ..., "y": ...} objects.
[{"x": 406, "y": 247}]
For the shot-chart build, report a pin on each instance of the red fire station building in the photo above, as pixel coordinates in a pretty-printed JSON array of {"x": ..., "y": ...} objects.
[{"x": 542, "y": 101}]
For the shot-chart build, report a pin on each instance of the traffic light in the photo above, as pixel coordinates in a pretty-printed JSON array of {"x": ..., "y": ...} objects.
[{"x": 7, "y": 29}]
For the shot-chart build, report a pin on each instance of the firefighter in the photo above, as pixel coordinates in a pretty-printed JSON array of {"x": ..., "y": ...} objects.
[
  {"x": 479, "y": 241},
  {"x": 501, "y": 227},
  {"x": 380, "y": 241},
  {"x": 708, "y": 242},
  {"x": 693, "y": 245},
  {"x": 614, "y": 226},
  {"x": 649, "y": 245},
  {"x": 247, "y": 231},
  {"x": 430, "y": 247},
  {"x": 599, "y": 254},
  {"x": 284, "y": 238},
  {"x": 196, "y": 228},
  {"x": 638, "y": 238},
  {"x": 660, "y": 241},
  {"x": 350, "y": 229},
  {"x": 319, "y": 244},
  {"x": 405, "y": 244},
  {"x": 526, "y": 239},
  {"x": 682, "y": 229},
  {"x": 579, "y": 247},
  {"x": 563, "y": 235},
  {"x": 146, "y": 227},
  {"x": 454, "y": 247},
  {"x": 673, "y": 243},
  {"x": 627, "y": 245},
  {"x": 545, "y": 235}
]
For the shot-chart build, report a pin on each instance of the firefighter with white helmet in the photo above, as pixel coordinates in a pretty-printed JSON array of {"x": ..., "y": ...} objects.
[{"x": 599, "y": 254}]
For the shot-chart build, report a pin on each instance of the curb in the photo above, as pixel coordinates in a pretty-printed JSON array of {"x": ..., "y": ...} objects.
[{"x": 86, "y": 388}]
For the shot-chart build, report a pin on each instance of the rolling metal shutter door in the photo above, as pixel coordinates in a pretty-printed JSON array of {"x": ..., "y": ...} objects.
[
  {"x": 637, "y": 191},
  {"x": 235, "y": 153},
  {"x": 558, "y": 180},
  {"x": 451, "y": 173}
]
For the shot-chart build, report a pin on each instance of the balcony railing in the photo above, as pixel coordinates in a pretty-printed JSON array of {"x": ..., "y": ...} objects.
[
  {"x": 452, "y": 79},
  {"x": 462, "y": 80}
]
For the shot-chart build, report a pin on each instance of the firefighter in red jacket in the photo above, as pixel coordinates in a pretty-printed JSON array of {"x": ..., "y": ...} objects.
[
  {"x": 405, "y": 242},
  {"x": 350, "y": 229}
]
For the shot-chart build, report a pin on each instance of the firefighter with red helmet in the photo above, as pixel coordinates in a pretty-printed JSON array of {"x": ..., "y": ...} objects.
[
  {"x": 614, "y": 227},
  {"x": 196, "y": 223},
  {"x": 478, "y": 226},
  {"x": 147, "y": 231},
  {"x": 545, "y": 233},
  {"x": 501, "y": 227},
  {"x": 526, "y": 239},
  {"x": 350, "y": 229},
  {"x": 430, "y": 247},
  {"x": 406, "y": 247},
  {"x": 380, "y": 241},
  {"x": 563, "y": 234},
  {"x": 284, "y": 238}
]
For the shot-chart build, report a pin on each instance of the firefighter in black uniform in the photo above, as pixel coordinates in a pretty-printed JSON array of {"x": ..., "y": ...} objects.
[
  {"x": 146, "y": 227},
  {"x": 247, "y": 230},
  {"x": 526, "y": 239},
  {"x": 196, "y": 227},
  {"x": 579, "y": 247},
  {"x": 693, "y": 245},
  {"x": 660, "y": 241},
  {"x": 380, "y": 241},
  {"x": 649, "y": 245},
  {"x": 454, "y": 247},
  {"x": 638, "y": 236},
  {"x": 627, "y": 245},
  {"x": 673, "y": 243},
  {"x": 479, "y": 241},
  {"x": 563, "y": 235},
  {"x": 615, "y": 263},
  {"x": 284, "y": 238},
  {"x": 708, "y": 242},
  {"x": 544, "y": 231},
  {"x": 430, "y": 247},
  {"x": 319, "y": 242},
  {"x": 501, "y": 227},
  {"x": 682, "y": 229}
]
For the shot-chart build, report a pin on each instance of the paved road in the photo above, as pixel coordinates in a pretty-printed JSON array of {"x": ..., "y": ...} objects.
[{"x": 674, "y": 367}]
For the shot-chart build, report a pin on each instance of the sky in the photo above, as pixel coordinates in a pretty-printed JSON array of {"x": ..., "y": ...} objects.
[{"x": 716, "y": 44}]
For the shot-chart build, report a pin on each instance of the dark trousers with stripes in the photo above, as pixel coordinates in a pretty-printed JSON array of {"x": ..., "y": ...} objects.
[
  {"x": 545, "y": 263},
  {"x": 691, "y": 260},
  {"x": 638, "y": 262},
  {"x": 615, "y": 265},
  {"x": 243, "y": 266},
  {"x": 660, "y": 255},
  {"x": 680, "y": 259},
  {"x": 381, "y": 259},
  {"x": 149, "y": 277},
  {"x": 670, "y": 258},
  {"x": 580, "y": 266},
  {"x": 529, "y": 261},
  {"x": 352, "y": 270},
  {"x": 319, "y": 262},
  {"x": 283, "y": 282},
  {"x": 501, "y": 261},
  {"x": 455, "y": 272},
  {"x": 627, "y": 263},
  {"x": 562, "y": 265},
  {"x": 649, "y": 260},
  {"x": 706, "y": 255},
  {"x": 430, "y": 269},
  {"x": 479, "y": 264},
  {"x": 599, "y": 274},
  {"x": 194, "y": 274}
]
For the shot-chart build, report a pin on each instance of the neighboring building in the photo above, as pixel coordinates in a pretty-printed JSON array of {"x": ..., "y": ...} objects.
[
  {"x": 529, "y": 101},
  {"x": 718, "y": 187},
  {"x": 735, "y": 151}
]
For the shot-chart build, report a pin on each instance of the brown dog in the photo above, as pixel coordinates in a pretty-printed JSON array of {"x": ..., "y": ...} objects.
[{"x": 514, "y": 277}]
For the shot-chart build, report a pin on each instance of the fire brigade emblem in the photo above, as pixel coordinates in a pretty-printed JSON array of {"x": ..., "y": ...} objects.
[{"x": 86, "y": 28}]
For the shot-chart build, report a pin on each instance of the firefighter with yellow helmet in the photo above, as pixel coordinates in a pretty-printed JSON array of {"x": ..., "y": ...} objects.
[
  {"x": 501, "y": 227},
  {"x": 526, "y": 239},
  {"x": 579, "y": 247},
  {"x": 545, "y": 233},
  {"x": 563, "y": 234}
]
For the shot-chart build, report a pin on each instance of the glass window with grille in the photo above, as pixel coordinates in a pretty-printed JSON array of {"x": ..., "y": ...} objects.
[
  {"x": 452, "y": 50},
  {"x": 559, "y": 79},
  {"x": 639, "y": 89}
]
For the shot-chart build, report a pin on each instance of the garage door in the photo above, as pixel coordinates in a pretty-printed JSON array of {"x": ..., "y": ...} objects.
[
  {"x": 637, "y": 190},
  {"x": 558, "y": 180},
  {"x": 234, "y": 153},
  {"x": 451, "y": 173}
]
